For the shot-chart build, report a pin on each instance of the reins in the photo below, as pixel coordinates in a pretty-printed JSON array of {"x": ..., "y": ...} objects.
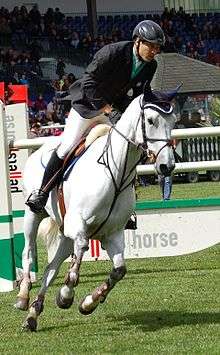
[{"x": 146, "y": 153}]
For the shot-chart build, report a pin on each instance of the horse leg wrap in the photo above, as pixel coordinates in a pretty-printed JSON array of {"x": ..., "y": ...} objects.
[
  {"x": 38, "y": 305},
  {"x": 116, "y": 275}
]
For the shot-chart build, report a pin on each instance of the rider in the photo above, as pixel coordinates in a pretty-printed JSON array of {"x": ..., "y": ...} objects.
[{"x": 114, "y": 78}]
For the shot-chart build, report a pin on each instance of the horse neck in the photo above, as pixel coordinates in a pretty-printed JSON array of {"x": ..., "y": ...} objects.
[{"x": 123, "y": 155}]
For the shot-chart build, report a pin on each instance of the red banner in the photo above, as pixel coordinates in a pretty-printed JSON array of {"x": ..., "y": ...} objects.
[
  {"x": 2, "y": 92},
  {"x": 18, "y": 93}
]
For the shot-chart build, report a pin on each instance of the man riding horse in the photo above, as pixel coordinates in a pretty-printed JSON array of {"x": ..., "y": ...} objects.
[{"x": 114, "y": 78}]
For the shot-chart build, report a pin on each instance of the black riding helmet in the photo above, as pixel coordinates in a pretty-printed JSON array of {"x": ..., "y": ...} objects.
[{"x": 149, "y": 31}]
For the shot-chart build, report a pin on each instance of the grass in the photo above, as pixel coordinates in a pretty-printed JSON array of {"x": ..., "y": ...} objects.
[
  {"x": 163, "y": 306},
  {"x": 202, "y": 189}
]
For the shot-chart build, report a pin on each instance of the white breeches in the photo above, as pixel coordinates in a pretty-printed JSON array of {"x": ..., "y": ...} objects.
[{"x": 76, "y": 125}]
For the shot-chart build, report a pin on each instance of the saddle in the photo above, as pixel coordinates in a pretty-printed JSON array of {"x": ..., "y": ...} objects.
[{"x": 94, "y": 132}]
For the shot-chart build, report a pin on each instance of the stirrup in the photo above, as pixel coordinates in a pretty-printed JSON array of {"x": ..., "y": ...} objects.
[{"x": 37, "y": 201}]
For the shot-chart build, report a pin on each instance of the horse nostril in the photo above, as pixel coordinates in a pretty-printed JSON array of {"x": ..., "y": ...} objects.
[{"x": 165, "y": 170}]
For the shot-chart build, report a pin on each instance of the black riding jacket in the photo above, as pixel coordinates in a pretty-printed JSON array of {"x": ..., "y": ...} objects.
[{"x": 107, "y": 80}]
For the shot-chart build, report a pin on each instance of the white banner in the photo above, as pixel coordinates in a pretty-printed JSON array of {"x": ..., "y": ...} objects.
[{"x": 168, "y": 232}]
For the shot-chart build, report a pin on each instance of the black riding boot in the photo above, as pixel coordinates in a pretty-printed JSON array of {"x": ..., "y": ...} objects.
[{"x": 38, "y": 199}]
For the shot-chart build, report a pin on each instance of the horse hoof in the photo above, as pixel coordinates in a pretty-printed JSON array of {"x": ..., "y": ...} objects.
[
  {"x": 64, "y": 303},
  {"x": 30, "y": 325},
  {"x": 22, "y": 304},
  {"x": 87, "y": 309}
]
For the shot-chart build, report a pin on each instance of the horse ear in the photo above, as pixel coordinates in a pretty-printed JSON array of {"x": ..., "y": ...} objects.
[{"x": 171, "y": 94}]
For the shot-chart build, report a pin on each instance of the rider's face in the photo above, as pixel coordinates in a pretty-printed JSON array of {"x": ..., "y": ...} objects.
[{"x": 147, "y": 50}]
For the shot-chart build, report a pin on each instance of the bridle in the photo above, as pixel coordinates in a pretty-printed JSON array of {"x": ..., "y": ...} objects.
[{"x": 147, "y": 153}]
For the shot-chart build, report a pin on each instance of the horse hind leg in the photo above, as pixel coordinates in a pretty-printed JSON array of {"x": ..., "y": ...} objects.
[
  {"x": 91, "y": 302},
  {"x": 65, "y": 295},
  {"x": 31, "y": 224},
  {"x": 36, "y": 308},
  {"x": 115, "y": 250}
]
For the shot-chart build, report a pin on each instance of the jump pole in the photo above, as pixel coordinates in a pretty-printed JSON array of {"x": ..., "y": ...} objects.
[
  {"x": 17, "y": 127},
  {"x": 7, "y": 260},
  {"x": 13, "y": 125}
]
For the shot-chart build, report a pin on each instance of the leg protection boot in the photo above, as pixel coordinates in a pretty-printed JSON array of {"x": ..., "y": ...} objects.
[{"x": 38, "y": 199}]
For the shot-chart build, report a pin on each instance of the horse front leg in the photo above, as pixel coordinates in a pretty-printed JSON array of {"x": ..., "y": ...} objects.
[
  {"x": 50, "y": 273},
  {"x": 31, "y": 224},
  {"x": 115, "y": 249},
  {"x": 65, "y": 296}
]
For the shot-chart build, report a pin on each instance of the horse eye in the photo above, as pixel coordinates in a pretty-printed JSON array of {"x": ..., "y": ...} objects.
[{"x": 150, "y": 121}]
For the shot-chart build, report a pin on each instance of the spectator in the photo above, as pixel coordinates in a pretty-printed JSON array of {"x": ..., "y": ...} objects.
[
  {"x": 211, "y": 57},
  {"x": 58, "y": 16},
  {"x": 166, "y": 186},
  {"x": 35, "y": 16},
  {"x": 60, "y": 70},
  {"x": 49, "y": 17},
  {"x": 35, "y": 130},
  {"x": 35, "y": 68},
  {"x": 51, "y": 109},
  {"x": 40, "y": 105},
  {"x": 24, "y": 80},
  {"x": 74, "y": 40}
]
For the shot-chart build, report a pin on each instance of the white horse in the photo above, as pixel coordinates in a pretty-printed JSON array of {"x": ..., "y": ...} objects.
[{"x": 99, "y": 198}]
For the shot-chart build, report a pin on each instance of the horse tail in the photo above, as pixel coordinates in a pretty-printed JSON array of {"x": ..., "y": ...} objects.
[{"x": 49, "y": 232}]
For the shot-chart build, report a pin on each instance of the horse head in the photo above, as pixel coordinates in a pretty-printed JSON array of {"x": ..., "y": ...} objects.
[{"x": 157, "y": 121}]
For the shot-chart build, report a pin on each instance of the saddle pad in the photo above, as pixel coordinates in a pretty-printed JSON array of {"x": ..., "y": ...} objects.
[{"x": 70, "y": 165}]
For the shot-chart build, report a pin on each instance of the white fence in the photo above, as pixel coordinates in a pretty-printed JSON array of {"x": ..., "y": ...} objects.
[{"x": 149, "y": 169}]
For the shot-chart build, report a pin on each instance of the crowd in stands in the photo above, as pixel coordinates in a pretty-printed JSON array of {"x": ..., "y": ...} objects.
[
  {"x": 190, "y": 34},
  {"x": 30, "y": 34},
  {"x": 53, "y": 111}
]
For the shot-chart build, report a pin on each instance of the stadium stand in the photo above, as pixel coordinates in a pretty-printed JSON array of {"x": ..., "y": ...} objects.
[{"x": 26, "y": 36}]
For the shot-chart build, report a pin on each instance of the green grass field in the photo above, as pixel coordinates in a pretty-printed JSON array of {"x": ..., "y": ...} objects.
[
  {"x": 181, "y": 191},
  {"x": 163, "y": 306}
]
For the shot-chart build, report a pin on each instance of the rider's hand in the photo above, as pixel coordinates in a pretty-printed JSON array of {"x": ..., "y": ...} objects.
[{"x": 106, "y": 109}]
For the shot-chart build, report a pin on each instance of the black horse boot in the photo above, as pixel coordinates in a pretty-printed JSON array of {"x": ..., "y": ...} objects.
[{"x": 38, "y": 199}]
